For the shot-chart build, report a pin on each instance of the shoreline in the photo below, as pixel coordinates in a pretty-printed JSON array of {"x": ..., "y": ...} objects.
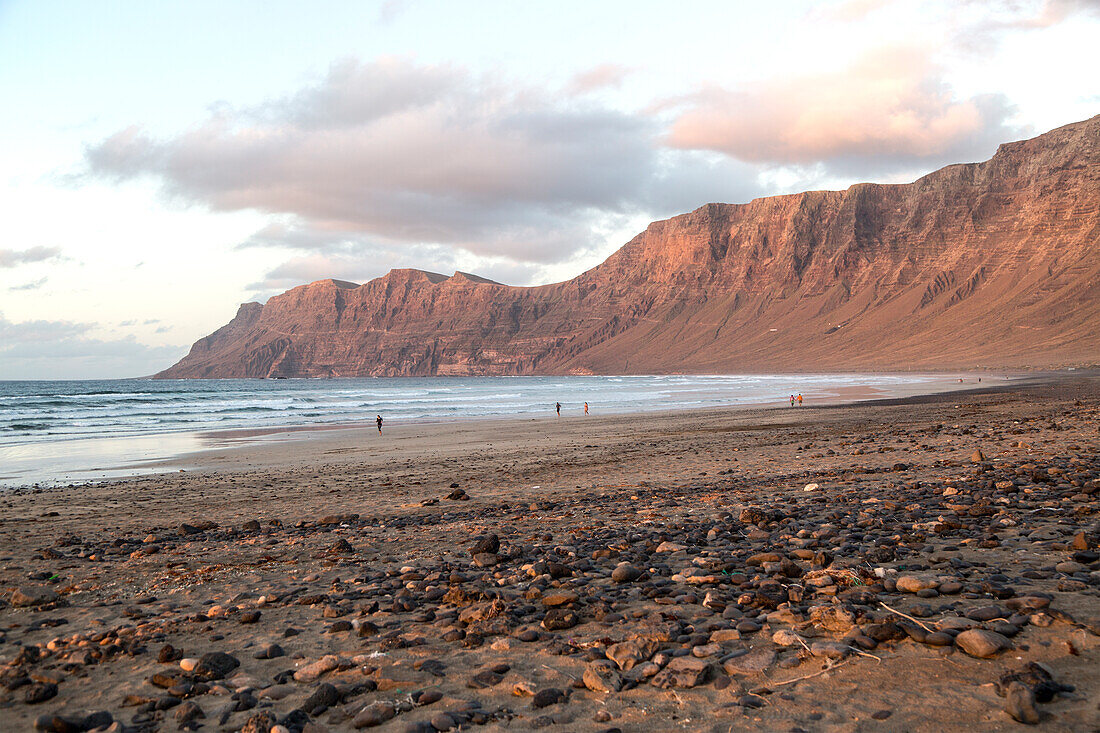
[{"x": 109, "y": 458}]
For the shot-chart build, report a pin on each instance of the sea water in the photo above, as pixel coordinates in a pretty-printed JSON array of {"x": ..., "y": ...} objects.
[{"x": 51, "y": 429}]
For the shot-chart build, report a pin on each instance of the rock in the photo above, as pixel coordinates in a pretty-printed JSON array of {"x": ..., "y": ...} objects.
[
  {"x": 268, "y": 651},
  {"x": 311, "y": 672},
  {"x": 626, "y": 573},
  {"x": 603, "y": 678},
  {"x": 490, "y": 544},
  {"x": 260, "y": 722},
  {"x": 325, "y": 696},
  {"x": 560, "y": 598},
  {"x": 1020, "y": 703},
  {"x": 628, "y": 653},
  {"x": 670, "y": 547},
  {"x": 786, "y": 637},
  {"x": 557, "y": 619},
  {"x": 486, "y": 559},
  {"x": 443, "y": 721},
  {"x": 1036, "y": 677},
  {"x": 981, "y": 643},
  {"x": 33, "y": 596},
  {"x": 187, "y": 711},
  {"x": 547, "y": 697},
  {"x": 374, "y": 714},
  {"x": 916, "y": 583},
  {"x": 683, "y": 673},
  {"x": 215, "y": 666},
  {"x": 341, "y": 547},
  {"x": 250, "y": 617},
  {"x": 837, "y": 619},
  {"x": 755, "y": 662},
  {"x": 39, "y": 692},
  {"x": 830, "y": 649}
]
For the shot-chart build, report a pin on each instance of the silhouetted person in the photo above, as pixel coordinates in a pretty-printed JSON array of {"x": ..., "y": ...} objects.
[
  {"x": 379, "y": 421},
  {"x": 557, "y": 406}
]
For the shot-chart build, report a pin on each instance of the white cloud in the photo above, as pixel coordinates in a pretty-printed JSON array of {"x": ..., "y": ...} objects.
[{"x": 45, "y": 349}]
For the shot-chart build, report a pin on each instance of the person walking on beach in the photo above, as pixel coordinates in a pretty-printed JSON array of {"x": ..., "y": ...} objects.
[
  {"x": 557, "y": 406},
  {"x": 792, "y": 400},
  {"x": 800, "y": 399},
  {"x": 378, "y": 420},
  {"x": 585, "y": 408}
]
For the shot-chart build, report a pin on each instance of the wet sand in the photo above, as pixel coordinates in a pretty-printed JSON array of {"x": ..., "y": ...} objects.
[{"x": 643, "y": 572}]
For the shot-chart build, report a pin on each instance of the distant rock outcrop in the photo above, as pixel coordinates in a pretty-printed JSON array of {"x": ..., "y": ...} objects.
[{"x": 993, "y": 264}]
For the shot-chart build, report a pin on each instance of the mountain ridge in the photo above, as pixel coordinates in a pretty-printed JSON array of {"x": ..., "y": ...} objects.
[{"x": 990, "y": 264}]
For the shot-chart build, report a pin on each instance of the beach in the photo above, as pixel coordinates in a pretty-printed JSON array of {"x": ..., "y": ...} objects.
[{"x": 884, "y": 565}]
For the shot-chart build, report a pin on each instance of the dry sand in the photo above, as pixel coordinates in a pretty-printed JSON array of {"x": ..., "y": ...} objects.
[{"x": 345, "y": 544}]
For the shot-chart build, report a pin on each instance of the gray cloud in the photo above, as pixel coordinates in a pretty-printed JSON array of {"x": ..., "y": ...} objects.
[
  {"x": 13, "y": 258},
  {"x": 391, "y": 153},
  {"x": 33, "y": 285},
  {"x": 63, "y": 349}
]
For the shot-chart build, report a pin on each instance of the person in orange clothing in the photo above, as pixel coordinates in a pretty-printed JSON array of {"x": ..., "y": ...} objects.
[
  {"x": 800, "y": 399},
  {"x": 585, "y": 408}
]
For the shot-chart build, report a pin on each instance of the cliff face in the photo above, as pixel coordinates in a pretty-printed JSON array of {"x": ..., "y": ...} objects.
[{"x": 987, "y": 264}]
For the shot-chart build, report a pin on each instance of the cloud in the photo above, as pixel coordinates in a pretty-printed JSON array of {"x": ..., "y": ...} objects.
[
  {"x": 888, "y": 111},
  {"x": 597, "y": 78},
  {"x": 33, "y": 285},
  {"x": 63, "y": 349},
  {"x": 13, "y": 258},
  {"x": 392, "y": 153}
]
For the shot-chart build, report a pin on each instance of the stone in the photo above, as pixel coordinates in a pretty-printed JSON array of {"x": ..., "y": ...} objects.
[
  {"x": 311, "y": 672},
  {"x": 670, "y": 547},
  {"x": 32, "y": 596},
  {"x": 260, "y": 722},
  {"x": 981, "y": 643},
  {"x": 628, "y": 653},
  {"x": 546, "y": 697},
  {"x": 602, "y": 678},
  {"x": 489, "y": 544},
  {"x": 560, "y": 598},
  {"x": 683, "y": 673},
  {"x": 1020, "y": 703},
  {"x": 558, "y": 619},
  {"x": 626, "y": 573},
  {"x": 323, "y": 697},
  {"x": 755, "y": 662},
  {"x": 39, "y": 692},
  {"x": 916, "y": 583},
  {"x": 215, "y": 666},
  {"x": 374, "y": 714}
]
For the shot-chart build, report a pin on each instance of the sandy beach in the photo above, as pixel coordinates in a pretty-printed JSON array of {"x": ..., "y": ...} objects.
[{"x": 877, "y": 566}]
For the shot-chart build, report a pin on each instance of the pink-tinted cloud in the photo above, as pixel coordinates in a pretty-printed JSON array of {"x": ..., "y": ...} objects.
[
  {"x": 890, "y": 109},
  {"x": 597, "y": 78},
  {"x": 395, "y": 152}
]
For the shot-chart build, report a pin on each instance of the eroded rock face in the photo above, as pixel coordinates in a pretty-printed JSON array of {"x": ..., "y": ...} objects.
[{"x": 992, "y": 263}]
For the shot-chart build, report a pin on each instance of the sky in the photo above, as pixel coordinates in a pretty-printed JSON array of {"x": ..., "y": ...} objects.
[{"x": 162, "y": 163}]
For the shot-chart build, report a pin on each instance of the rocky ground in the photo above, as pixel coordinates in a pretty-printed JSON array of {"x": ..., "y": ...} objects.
[{"x": 929, "y": 565}]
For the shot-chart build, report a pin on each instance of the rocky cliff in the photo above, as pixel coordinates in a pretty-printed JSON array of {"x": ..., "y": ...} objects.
[{"x": 993, "y": 264}]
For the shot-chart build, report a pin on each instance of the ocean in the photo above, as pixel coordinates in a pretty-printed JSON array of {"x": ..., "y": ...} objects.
[{"x": 51, "y": 430}]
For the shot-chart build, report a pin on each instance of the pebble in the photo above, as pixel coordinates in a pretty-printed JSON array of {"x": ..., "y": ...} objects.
[{"x": 981, "y": 643}]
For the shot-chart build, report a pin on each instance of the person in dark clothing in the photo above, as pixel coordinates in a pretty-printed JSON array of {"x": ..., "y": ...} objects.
[
  {"x": 557, "y": 406},
  {"x": 378, "y": 420}
]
